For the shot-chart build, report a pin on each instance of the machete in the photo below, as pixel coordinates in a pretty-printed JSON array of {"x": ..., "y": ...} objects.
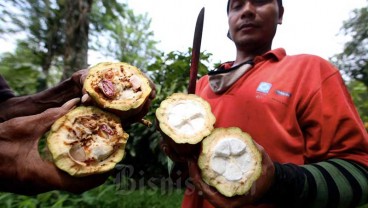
[{"x": 196, "y": 49}]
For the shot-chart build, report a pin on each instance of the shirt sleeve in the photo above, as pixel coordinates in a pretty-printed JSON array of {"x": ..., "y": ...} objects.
[
  {"x": 330, "y": 183},
  {"x": 335, "y": 150},
  {"x": 5, "y": 91},
  {"x": 331, "y": 124}
]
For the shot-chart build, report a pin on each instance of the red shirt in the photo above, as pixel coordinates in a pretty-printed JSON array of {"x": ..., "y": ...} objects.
[{"x": 297, "y": 107}]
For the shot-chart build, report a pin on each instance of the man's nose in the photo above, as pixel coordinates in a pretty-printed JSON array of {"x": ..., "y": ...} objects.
[{"x": 248, "y": 9}]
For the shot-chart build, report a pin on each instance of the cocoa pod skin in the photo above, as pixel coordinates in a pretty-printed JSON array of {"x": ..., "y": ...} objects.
[
  {"x": 177, "y": 152},
  {"x": 110, "y": 88}
]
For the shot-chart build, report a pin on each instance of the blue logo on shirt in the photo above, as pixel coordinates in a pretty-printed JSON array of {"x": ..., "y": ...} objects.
[{"x": 264, "y": 87}]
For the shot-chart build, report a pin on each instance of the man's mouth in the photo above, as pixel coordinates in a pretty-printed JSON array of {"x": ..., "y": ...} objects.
[{"x": 247, "y": 26}]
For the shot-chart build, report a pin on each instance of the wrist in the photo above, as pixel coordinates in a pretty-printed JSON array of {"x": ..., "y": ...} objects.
[
  {"x": 287, "y": 184},
  {"x": 58, "y": 95},
  {"x": 37, "y": 103},
  {"x": 269, "y": 196}
]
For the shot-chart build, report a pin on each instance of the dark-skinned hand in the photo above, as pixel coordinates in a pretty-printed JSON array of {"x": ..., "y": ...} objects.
[
  {"x": 167, "y": 145},
  {"x": 22, "y": 170},
  {"x": 33, "y": 104},
  {"x": 258, "y": 189}
]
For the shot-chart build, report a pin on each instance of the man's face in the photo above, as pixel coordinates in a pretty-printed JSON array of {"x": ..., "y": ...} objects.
[{"x": 253, "y": 23}]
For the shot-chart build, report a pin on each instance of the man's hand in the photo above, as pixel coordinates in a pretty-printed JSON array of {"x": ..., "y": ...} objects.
[
  {"x": 49, "y": 98},
  {"x": 146, "y": 107},
  {"x": 167, "y": 145},
  {"x": 79, "y": 76},
  {"x": 22, "y": 170},
  {"x": 258, "y": 189}
]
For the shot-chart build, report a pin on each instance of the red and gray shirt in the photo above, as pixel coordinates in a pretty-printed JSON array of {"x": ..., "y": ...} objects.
[{"x": 296, "y": 107}]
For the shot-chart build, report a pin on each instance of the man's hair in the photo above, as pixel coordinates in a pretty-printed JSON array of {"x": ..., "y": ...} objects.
[{"x": 279, "y": 2}]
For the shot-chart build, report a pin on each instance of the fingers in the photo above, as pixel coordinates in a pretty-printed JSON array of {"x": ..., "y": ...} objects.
[
  {"x": 195, "y": 174},
  {"x": 79, "y": 77},
  {"x": 48, "y": 117},
  {"x": 152, "y": 85},
  {"x": 210, "y": 193},
  {"x": 86, "y": 99},
  {"x": 139, "y": 116},
  {"x": 70, "y": 104},
  {"x": 194, "y": 170},
  {"x": 165, "y": 147},
  {"x": 153, "y": 92},
  {"x": 52, "y": 114},
  {"x": 84, "y": 73},
  {"x": 47, "y": 177}
]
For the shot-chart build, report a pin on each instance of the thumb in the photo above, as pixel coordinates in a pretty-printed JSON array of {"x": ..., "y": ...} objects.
[
  {"x": 48, "y": 117},
  {"x": 194, "y": 171},
  {"x": 34, "y": 125},
  {"x": 47, "y": 177},
  {"x": 86, "y": 99},
  {"x": 70, "y": 104},
  {"x": 208, "y": 191}
]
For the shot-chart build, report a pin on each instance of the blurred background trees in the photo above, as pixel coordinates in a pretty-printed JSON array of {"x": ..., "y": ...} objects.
[
  {"x": 353, "y": 60},
  {"x": 58, "y": 36}
]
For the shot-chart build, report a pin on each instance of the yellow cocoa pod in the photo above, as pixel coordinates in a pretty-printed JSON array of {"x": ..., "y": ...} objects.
[
  {"x": 118, "y": 87},
  {"x": 230, "y": 161},
  {"x": 87, "y": 141},
  {"x": 185, "y": 119}
]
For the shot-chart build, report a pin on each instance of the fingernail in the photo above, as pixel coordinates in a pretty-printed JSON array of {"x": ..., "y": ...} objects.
[
  {"x": 85, "y": 97},
  {"x": 71, "y": 103}
]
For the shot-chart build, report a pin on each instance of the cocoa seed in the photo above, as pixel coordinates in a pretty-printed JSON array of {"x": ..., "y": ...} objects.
[{"x": 107, "y": 88}]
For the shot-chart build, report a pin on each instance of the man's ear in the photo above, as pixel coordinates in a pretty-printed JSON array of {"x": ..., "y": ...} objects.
[{"x": 281, "y": 15}]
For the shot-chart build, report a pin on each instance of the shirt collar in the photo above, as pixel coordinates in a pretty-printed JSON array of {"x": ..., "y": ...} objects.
[{"x": 276, "y": 54}]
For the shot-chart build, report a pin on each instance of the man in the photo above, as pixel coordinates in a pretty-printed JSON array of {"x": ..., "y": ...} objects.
[
  {"x": 297, "y": 108},
  {"x": 23, "y": 121}
]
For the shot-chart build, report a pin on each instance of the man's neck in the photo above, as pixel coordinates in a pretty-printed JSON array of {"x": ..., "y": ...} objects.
[{"x": 248, "y": 53}]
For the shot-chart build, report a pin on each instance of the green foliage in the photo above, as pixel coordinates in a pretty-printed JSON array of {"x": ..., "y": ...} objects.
[
  {"x": 39, "y": 24},
  {"x": 115, "y": 31},
  {"x": 170, "y": 73},
  {"x": 353, "y": 61},
  {"x": 360, "y": 97},
  {"x": 127, "y": 37},
  {"x": 103, "y": 196},
  {"x": 21, "y": 73}
]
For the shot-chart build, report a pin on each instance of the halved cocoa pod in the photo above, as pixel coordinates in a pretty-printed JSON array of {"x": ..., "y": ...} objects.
[
  {"x": 230, "y": 161},
  {"x": 118, "y": 87},
  {"x": 184, "y": 120},
  {"x": 87, "y": 141}
]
